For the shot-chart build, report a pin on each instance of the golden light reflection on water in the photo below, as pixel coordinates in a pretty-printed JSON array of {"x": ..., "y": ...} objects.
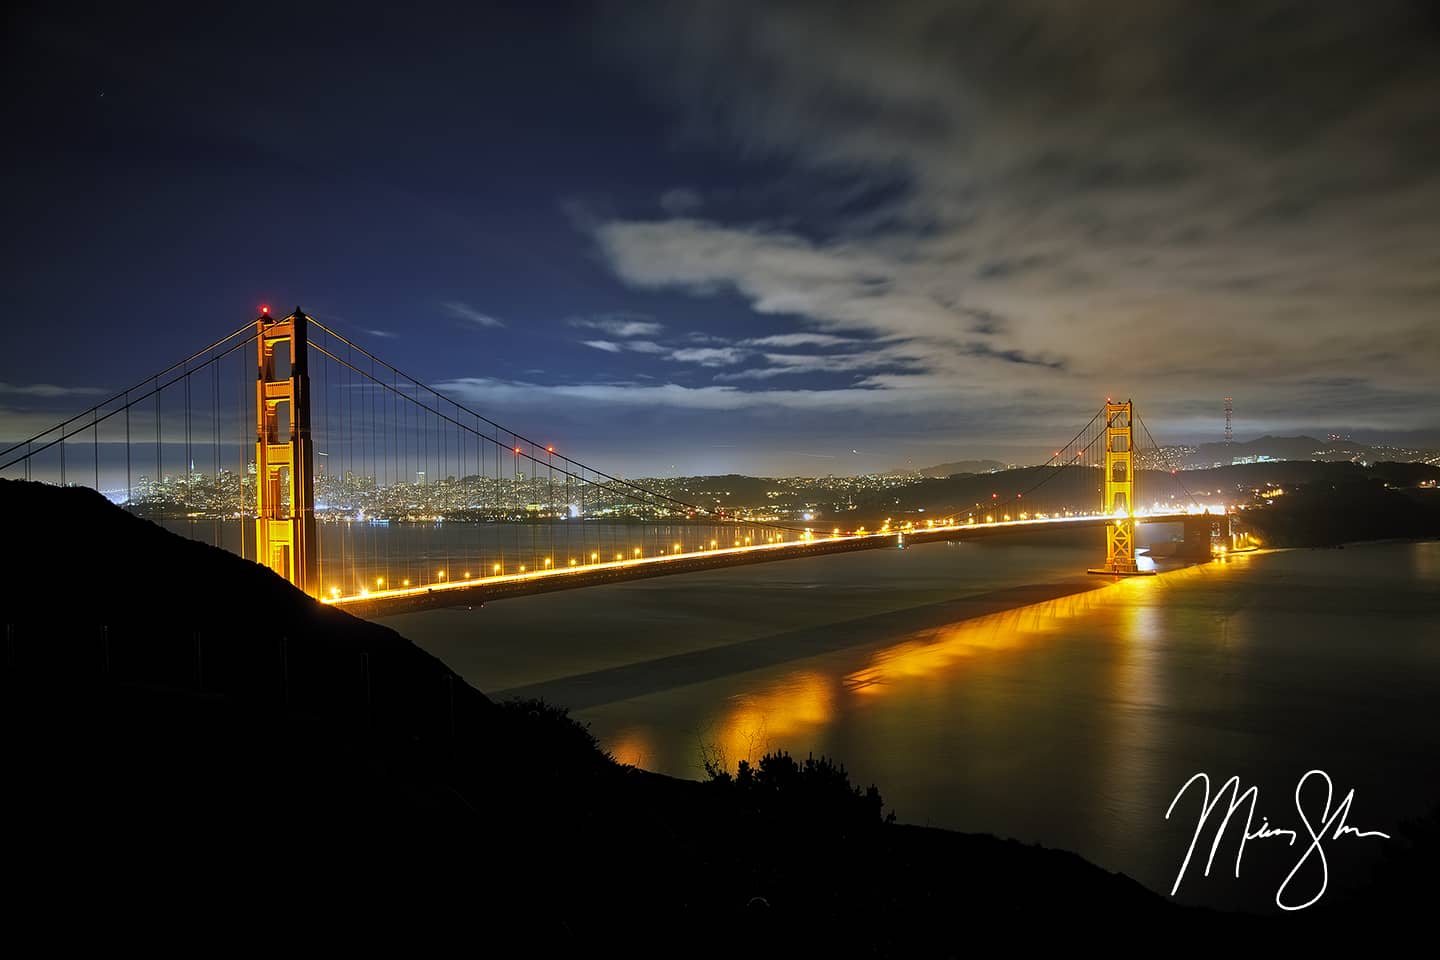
[
  {"x": 757, "y": 722},
  {"x": 792, "y": 709},
  {"x": 939, "y": 650},
  {"x": 631, "y": 747}
]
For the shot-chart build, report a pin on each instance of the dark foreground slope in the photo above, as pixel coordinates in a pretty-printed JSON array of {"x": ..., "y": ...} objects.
[{"x": 192, "y": 744}]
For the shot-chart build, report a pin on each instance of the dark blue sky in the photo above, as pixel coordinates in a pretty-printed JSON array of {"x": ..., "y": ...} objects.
[{"x": 746, "y": 236}]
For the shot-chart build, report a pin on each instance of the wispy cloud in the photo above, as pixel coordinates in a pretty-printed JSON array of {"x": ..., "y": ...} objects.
[
  {"x": 497, "y": 393},
  {"x": 620, "y": 324},
  {"x": 708, "y": 356},
  {"x": 609, "y": 346},
  {"x": 799, "y": 340},
  {"x": 470, "y": 315},
  {"x": 383, "y": 334},
  {"x": 48, "y": 390}
]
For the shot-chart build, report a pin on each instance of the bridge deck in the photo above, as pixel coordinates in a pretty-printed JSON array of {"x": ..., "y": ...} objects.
[{"x": 485, "y": 589}]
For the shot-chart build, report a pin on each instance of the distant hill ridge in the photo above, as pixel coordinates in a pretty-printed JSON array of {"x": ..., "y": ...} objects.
[{"x": 950, "y": 469}]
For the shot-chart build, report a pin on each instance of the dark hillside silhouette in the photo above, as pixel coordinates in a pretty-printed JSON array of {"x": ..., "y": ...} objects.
[{"x": 171, "y": 764}]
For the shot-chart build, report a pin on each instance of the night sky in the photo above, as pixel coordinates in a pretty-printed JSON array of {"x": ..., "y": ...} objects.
[{"x": 763, "y": 237}]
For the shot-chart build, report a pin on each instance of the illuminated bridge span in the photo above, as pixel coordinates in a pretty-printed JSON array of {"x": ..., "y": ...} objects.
[{"x": 287, "y": 443}]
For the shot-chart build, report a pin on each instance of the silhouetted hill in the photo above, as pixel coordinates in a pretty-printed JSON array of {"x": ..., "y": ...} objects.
[
  {"x": 973, "y": 494},
  {"x": 1277, "y": 448},
  {"x": 194, "y": 744},
  {"x": 961, "y": 466},
  {"x": 1350, "y": 507}
]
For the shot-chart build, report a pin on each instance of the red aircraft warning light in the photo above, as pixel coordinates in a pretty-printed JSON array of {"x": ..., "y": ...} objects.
[
  {"x": 549, "y": 449},
  {"x": 517, "y": 450},
  {"x": 264, "y": 309}
]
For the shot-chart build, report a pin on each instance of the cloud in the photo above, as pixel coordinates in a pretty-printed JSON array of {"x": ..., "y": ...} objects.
[
  {"x": 798, "y": 340},
  {"x": 487, "y": 393},
  {"x": 680, "y": 201},
  {"x": 470, "y": 315},
  {"x": 48, "y": 390},
  {"x": 633, "y": 346},
  {"x": 383, "y": 334},
  {"x": 1168, "y": 200},
  {"x": 708, "y": 356},
  {"x": 620, "y": 324}
]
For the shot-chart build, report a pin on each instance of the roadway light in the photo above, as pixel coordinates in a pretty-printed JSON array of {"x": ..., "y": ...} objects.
[
  {"x": 497, "y": 568},
  {"x": 379, "y": 581},
  {"x": 405, "y": 583},
  {"x": 440, "y": 574}
]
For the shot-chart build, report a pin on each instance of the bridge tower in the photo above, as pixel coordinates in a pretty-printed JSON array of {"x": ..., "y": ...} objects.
[
  {"x": 1119, "y": 503},
  {"x": 285, "y": 538}
]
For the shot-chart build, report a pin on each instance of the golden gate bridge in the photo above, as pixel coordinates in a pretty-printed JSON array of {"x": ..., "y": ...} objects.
[{"x": 288, "y": 443}]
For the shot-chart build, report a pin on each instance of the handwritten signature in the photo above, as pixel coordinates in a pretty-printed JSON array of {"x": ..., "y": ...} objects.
[{"x": 1330, "y": 826}]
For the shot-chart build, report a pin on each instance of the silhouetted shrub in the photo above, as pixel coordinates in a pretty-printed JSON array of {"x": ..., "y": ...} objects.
[
  {"x": 541, "y": 737},
  {"x": 818, "y": 791}
]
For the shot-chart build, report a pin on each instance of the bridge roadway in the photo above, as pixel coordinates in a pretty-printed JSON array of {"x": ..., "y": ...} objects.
[{"x": 381, "y": 603}]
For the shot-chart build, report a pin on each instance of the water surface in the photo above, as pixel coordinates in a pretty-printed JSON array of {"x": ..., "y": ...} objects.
[{"x": 996, "y": 688}]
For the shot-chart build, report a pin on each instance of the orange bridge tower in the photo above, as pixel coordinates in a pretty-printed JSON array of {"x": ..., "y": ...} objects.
[
  {"x": 1119, "y": 503},
  {"x": 285, "y": 536}
]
